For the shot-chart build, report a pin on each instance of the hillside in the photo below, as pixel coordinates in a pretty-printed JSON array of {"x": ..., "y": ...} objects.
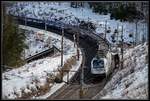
[
  {"x": 131, "y": 82},
  {"x": 74, "y": 36}
]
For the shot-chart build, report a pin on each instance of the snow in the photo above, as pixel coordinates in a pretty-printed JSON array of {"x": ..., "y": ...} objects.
[
  {"x": 58, "y": 86},
  {"x": 35, "y": 73},
  {"x": 136, "y": 80},
  {"x": 35, "y": 46},
  {"x": 131, "y": 82},
  {"x": 55, "y": 10},
  {"x": 21, "y": 77},
  {"x": 38, "y": 46}
]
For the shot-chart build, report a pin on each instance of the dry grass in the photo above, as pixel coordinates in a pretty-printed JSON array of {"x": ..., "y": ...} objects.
[
  {"x": 67, "y": 66},
  {"x": 41, "y": 90},
  {"x": 69, "y": 63}
]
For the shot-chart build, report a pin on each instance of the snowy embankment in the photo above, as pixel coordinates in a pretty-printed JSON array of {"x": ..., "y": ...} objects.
[
  {"x": 131, "y": 82},
  {"x": 36, "y": 78},
  {"x": 49, "y": 39},
  {"x": 62, "y": 12}
]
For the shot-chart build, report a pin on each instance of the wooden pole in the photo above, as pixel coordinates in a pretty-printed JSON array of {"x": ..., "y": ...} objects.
[
  {"x": 62, "y": 71},
  {"x": 45, "y": 26},
  {"x": 24, "y": 54},
  {"x": 116, "y": 36},
  {"x": 88, "y": 23},
  {"x": 25, "y": 21},
  {"x": 143, "y": 38},
  {"x": 117, "y": 32},
  {"x": 105, "y": 28},
  {"x": 147, "y": 26},
  {"x": 67, "y": 76},
  {"x": 136, "y": 34},
  {"x": 62, "y": 47},
  {"x": 77, "y": 46},
  {"x": 122, "y": 48},
  {"x": 81, "y": 82},
  {"x": 2, "y": 19},
  {"x": 74, "y": 38},
  {"x": 77, "y": 39},
  {"x": 62, "y": 74}
]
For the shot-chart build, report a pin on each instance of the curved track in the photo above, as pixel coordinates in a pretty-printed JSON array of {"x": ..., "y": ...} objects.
[{"x": 88, "y": 42}]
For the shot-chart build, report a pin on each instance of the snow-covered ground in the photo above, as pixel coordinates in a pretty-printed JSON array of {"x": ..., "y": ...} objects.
[
  {"x": 49, "y": 39},
  {"x": 58, "y": 86},
  {"x": 62, "y": 12},
  {"x": 131, "y": 82},
  {"x": 31, "y": 76},
  {"x": 35, "y": 46}
]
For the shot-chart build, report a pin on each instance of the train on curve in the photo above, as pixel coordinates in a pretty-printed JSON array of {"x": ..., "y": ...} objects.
[{"x": 98, "y": 65}]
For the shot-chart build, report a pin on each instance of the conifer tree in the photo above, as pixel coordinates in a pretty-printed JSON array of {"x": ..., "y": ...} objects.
[{"x": 13, "y": 41}]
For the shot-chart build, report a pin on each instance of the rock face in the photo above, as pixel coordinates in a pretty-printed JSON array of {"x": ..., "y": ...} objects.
[{"x": 131, "y": 82}]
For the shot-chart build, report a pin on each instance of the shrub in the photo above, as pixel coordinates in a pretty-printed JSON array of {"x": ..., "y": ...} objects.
[{"x": 124, "y": 12}]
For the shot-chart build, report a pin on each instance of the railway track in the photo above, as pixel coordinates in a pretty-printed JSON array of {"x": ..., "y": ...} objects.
[
  {"x": 90, "y": 45},
  {"x": 42, "y": 54},
  {"x": 73, "y": 91},
  {"x": 66, "y": 92}
]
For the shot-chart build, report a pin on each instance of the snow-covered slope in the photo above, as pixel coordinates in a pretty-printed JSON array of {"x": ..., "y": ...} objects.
[
  {"x": 131, "y": 82},
  {"x": 62, "y": 12},
  {"x": 24, "y": 77},
  {"x": 37, "y": 75},
  {"x": 36, "y": 46}
]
